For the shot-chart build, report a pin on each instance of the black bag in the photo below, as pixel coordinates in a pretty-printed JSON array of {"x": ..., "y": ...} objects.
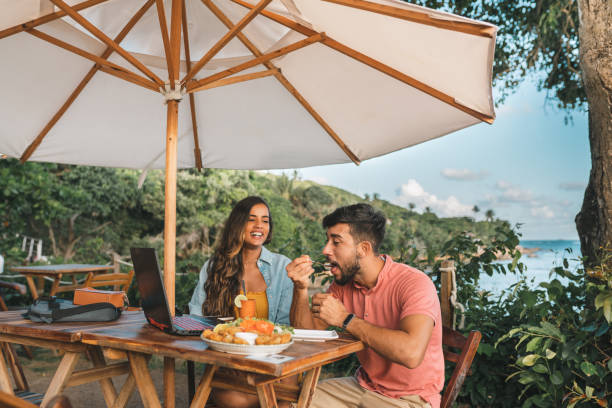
[{"x": 51, "y": 309}]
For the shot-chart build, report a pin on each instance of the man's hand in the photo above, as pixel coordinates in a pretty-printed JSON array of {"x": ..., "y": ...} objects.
[
  {"x": 329, "y": 309},
  {"x": 299, "y": 271}
]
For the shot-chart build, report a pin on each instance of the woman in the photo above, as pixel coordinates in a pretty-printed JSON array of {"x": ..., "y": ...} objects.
[{"x": 241, "y": 255}]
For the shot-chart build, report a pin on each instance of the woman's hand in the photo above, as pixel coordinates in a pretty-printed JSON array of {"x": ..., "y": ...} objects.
[{"x": 299, "y": 271}]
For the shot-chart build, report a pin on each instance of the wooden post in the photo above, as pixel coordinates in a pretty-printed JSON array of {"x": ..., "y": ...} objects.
[
  {"x": 446, "y": 287},
  {"x": 170, "y": 211},
  {"x": 169, "y": 383},
  {"x": 171, "y": 157}
]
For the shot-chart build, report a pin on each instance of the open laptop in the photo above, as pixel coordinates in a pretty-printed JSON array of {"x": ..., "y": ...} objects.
[{"x": 154, "y": 302}]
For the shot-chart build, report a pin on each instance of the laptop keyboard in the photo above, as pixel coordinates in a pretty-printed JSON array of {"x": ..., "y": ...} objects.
[{"x": 187, "y": 323}]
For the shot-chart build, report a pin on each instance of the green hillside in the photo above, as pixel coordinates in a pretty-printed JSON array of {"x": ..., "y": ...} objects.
[{"x": 83, "y": 214}]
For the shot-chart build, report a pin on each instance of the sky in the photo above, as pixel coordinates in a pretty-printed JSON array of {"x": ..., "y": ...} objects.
[{"x": 529, "y": 167}]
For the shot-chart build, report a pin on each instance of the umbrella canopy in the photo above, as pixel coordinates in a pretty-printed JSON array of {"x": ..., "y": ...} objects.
[{"x": 272, "y": 84}]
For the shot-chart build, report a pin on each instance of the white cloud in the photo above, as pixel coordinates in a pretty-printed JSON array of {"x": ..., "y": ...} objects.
[
  {"x": 513, "y": 193},
  {"x": 413, "y": 192},
  {"x": 572, "y": 186},
  {"x": 463, "y": 174},
  {"x": 544, "y": 212}
]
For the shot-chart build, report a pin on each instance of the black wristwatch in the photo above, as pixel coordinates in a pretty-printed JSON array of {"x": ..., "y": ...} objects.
[{"x": 347, "y": 320}]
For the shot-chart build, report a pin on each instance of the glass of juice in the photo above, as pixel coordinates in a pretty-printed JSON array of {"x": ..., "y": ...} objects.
[{"x": 248, "y": 309}]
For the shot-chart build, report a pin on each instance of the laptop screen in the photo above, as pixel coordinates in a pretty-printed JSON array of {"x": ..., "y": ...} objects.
[{"x": 150, "y": 286}]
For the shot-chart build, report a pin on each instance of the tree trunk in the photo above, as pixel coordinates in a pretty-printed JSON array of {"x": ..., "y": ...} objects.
[{"x": 594, "y": 221}]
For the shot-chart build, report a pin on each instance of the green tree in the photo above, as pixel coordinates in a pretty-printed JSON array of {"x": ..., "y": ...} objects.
[
  {"x": 567, "y": 44},
  {"x": 65, "y": 204},
  {"x": 489, "y": 214}
]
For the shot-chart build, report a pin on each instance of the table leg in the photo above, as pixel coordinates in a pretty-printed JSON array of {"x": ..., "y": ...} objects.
[
  {"x": 126, "y": 392},
  {"x": 40, "y": 284},
  {"x": 5, "y": 380},
  {"x": 169, "y": 391},
  {"x": 108, "y": 389},
  {"x": 61, "y": 376},
  {"x": 267, "y": 396},
  {"x": 32, "y": 287},
  {"x": 21, "y": 383},
  {"x": 55, "y": 285},
  {"x": 144, "y": 382},
  {"x": 203, "y": 390},
  {"x": 308, "y": 387}
]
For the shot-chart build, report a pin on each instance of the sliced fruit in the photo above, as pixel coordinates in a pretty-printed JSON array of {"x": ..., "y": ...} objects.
[
  {"x": 238, "y": 300},
  {"x": 219, "y": 327}
]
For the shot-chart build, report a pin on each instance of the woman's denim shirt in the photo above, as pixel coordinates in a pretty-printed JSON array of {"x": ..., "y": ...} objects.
[{"x": 279, "y": 292}]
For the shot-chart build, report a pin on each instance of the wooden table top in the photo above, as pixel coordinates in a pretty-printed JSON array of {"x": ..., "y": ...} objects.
[
  {"x": 13, "y": 323},
  {"x": 146, "y": 339},
  {"x": 131, "y": 332},
  {"x": 48, "y": 270}
]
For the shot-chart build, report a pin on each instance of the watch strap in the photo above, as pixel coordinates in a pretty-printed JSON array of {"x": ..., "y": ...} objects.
[{"x": 347, "y": 320}]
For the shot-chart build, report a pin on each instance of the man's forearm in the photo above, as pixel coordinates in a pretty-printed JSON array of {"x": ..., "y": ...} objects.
[
  {"x": 301, "y": 316},
  {"x": 395, "y": 345}
]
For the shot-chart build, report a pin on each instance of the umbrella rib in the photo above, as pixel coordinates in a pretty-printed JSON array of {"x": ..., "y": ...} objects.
[
  {"x": 47, "y": 18},
  {"x": 466, "y": 27},
  {"x": 379, "y": 66},
  {"x": 111, "y": 68},
  {"x": 38, "y": 140},
  {"x": 194, "y": 124},
  {"x": 255, "y": 10},
  {"x": 235, "y": 79},
  {"x": 317, "y": 37},
  {"x": 161, "y": 14},
  {"x": 106, "y": 40},
  {"x": 285, "y": 82}
]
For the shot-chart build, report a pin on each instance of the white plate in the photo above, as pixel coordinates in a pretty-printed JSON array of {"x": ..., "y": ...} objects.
[
  {"x": 321, "y": 335},
  {"x": 246, "y": 349}
]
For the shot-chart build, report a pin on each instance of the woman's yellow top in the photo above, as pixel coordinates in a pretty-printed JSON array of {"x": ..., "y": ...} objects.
[{"x": 261, "y": 304}]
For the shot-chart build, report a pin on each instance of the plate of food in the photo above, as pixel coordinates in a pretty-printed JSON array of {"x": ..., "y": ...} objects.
[{"x": 249, "y": 337}]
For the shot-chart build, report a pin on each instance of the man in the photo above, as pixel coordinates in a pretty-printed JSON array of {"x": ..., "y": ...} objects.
[{"x": 391, "y": 307}]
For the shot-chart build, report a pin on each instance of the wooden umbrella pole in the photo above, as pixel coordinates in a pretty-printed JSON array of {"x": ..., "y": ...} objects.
[
  {"x": 170, "y": 210},
  {"x": 171, "y": 156}
]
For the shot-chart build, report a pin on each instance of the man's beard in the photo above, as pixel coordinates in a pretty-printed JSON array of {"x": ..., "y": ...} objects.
[{"x": 347, "y": 274}]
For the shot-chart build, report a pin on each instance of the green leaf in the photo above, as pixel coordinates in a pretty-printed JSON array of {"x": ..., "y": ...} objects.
[
  {"x": 540, "y": 368},
  {"x": 588, "y": 368},
  {"x": 530, "y": 298},
  {"x": 551, "y": 329},
  {"x": 610, "y": 365},
  {"x": 550, "y": 354},
  {"x": 556, "y": 378},
  {"x": 589, "y": 391},
  {"x": 522, "y": 339},
  {"x": 533, "y": 344},
  {"x": 607, "y": 309},
  {"x": 599, "y": 299},
  {"x": 530, "y": 359},
  {"x": 577, "y": 388}
]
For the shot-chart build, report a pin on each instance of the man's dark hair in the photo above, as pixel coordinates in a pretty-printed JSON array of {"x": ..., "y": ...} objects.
[{"x": 366, "y": 224}]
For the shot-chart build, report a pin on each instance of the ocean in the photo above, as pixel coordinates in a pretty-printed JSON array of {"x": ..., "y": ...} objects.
[{"x": 538, "y": 265}]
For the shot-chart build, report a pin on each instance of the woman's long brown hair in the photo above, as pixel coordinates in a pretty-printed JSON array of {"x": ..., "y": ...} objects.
[{"x": 225, "y": 266}]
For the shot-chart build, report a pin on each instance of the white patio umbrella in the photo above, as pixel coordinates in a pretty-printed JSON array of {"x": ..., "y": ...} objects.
[{"x": 276, "y": 84}]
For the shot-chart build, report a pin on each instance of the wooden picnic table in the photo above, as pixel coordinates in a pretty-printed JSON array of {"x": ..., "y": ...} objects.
[
  {"x": 66, "y": 337},
  {"x": 139, "y": 340},
  {"x": 56, "y": 272}
]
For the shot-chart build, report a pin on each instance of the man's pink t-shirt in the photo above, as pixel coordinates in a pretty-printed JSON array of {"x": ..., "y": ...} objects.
[{"x": 400, "y": 291}]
